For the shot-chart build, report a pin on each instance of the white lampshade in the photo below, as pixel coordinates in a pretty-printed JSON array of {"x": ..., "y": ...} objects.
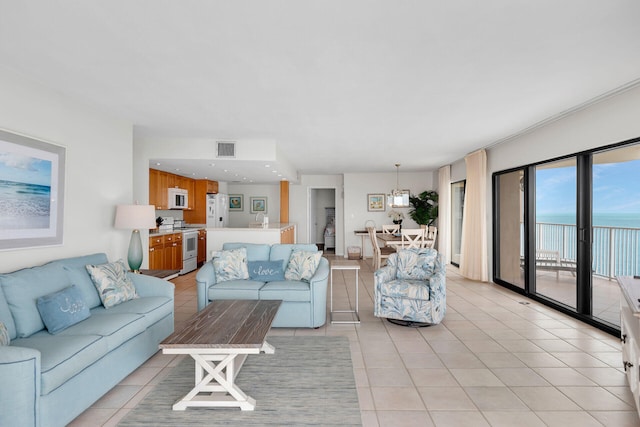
[{"x": 133, "y": 217}]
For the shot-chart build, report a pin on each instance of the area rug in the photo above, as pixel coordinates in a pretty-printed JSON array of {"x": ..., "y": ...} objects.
[{"x": 307, "y": 381}]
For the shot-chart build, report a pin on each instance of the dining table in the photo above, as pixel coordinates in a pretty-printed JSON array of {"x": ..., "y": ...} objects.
[{"x": 395, "y": 240}]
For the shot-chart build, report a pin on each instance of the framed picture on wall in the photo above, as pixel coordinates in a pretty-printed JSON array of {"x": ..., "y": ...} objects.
[
  {"x": 258, "y": 204},
  {"x": 236, "y": 202},
  {"x": 32, "y": 192},
  {"x": 375, "y": 202}
]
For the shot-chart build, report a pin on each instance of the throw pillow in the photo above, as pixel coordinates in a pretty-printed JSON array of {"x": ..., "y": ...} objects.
[
  {"x": 302, "y": 265},
  {"x": 266, "y": 271},
  {"x": 231, "y": 265},
  {"x": 62, "y": 309},
  {"x": 112, "y": 283},
  {"x": 416, "y": 264},
  {"x": 5, "y": 339}
]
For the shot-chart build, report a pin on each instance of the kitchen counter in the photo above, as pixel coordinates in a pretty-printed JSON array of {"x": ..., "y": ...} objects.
[
  {"x": 178, "y": 230},
  {"x": 275, "y": 232}
]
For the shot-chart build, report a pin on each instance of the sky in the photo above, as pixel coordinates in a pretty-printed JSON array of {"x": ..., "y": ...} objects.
[
  {"x": 25, "y": 169},
  {"x": 616, "y": 189}
]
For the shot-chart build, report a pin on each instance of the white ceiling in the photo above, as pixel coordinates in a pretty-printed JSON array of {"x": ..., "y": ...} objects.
[{"x": 340, "y": 85}]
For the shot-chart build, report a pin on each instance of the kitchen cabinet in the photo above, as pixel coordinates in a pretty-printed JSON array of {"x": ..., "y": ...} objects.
[
  {"x": 202, "y": 246},
  {"x": 630, "y": 333},
  {"x": 165, "y": 252},
  {"x": 156, "y": 252},
  {"x": 173, "y": 251},
  {"x": 198, "y": 215},
  {"x": 159, "y": 184}
]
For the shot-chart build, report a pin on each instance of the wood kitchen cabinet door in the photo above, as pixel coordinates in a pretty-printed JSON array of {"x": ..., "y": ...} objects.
[
  {"x": 156, "y": 253},
  {"x": 173, "y": 252},
  {"x": 202, "y": 246},
  {"x": 158, "y": 185}
]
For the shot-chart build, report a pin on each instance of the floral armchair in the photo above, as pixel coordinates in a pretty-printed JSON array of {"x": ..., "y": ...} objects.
[{"x": 411, "y": 288}]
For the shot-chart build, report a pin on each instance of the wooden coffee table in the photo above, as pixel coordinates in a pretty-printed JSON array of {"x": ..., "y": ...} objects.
[{"x": 219, "y": 338}]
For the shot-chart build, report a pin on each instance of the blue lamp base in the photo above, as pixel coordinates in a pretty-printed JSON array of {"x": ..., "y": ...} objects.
[{"x": 134, "y": 257}]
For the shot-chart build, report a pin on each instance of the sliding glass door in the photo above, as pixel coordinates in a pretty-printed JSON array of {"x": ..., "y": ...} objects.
[
  {"x": 616, "y": 226},
  {"x": 566, "y": 228},
  {"x": 555, "y": 228}
]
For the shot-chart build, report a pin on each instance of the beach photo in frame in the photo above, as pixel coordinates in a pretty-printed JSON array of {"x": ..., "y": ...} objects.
[
  {"x": 375, "y": 202},
  {"x": 258, "y": 204},
  {"x": 31, "y": 192},
  {"x": 236, "y": 202}
]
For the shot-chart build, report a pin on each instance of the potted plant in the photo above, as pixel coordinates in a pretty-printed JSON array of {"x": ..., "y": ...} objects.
[
  {"x": 424, "y": 207},
  {"x": 396, "y": 216}
]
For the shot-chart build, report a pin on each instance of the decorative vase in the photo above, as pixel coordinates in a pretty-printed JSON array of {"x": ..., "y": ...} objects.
[{"x": 399, "y": 222}]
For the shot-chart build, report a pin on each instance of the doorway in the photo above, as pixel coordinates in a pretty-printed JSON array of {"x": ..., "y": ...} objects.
[{"x": 322, "y": 226}]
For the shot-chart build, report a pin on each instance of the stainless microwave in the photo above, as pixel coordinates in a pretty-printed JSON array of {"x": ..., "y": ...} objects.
[{"x": 178, "y": 198}]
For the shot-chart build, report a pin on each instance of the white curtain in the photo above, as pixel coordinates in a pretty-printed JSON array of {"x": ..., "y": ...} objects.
[
  {"x": 444, "y": 212},
  {"x": 474, "y": 257}
]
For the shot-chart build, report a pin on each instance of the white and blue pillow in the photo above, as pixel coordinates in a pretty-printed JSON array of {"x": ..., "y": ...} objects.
[
  {"x": 112, "y": 283},
  {"x": 231, "y": 265},
  {"x": 302, "y": 265},
  {"x": 5, "y": 339},
  {"x": 62, "y": 309}
]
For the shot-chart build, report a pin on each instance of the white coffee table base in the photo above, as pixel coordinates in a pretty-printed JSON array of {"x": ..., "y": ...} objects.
[{"x": 215, "y": 373}]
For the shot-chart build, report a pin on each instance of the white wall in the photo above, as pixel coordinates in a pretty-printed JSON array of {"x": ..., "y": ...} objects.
[
  {"x": 243, "y": 218},
  {"x": 98, "y": 168},
  {"x": 609, "y": 121},
  {"x": 356, "y": 188}
]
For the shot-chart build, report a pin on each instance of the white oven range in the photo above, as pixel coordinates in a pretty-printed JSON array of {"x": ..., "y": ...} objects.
[{"x": 189, "y": 251}]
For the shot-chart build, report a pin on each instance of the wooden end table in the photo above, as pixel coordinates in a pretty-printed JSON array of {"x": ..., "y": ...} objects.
[{"x": 219, "y": 339}]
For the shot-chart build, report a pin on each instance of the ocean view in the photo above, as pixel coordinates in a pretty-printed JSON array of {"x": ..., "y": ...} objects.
[
  {"x": 627, "y": 220},
  {"x": 23, "y": 205}
]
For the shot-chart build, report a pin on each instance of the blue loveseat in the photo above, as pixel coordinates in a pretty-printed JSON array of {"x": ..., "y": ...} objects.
[
  {"x": 304, "y": 304},
  {"x": 49, "y": 379}
]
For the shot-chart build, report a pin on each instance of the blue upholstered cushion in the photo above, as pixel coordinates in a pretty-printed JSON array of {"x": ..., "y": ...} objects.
[
  {"x": 112, "y": 283},
  {"x": 416, "y": 264},
  {"x": 4, "y": 335},
  {"x": 302, "y": 265},
  {"x": 62, "y": 309},
  {"x": 266, "y": 271},
  {"x": 23, "y": 287},
  {"x": 231, "y": 265}
]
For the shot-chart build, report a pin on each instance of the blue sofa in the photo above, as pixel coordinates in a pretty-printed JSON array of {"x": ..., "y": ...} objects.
[
  {"x": 303, "y": 304},
  {"x": 48, "y": 380}
]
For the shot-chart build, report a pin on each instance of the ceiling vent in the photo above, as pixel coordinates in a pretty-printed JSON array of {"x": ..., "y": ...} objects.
[{"x": 227, "y": 149}]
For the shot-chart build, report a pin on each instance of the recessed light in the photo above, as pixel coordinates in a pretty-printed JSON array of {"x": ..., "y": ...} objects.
[
  {"x": 274, "y": 171},
  {"x": 212, "y": 164},
  {"x": 158, "y": 163},
  {"x": 177, "y": 169},
  {"x": 226, "y": 170},
  {"x": 267, "y": 166}
]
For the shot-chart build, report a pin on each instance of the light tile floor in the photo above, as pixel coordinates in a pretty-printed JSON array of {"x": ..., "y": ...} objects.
[{"x": 494, "y": 361}]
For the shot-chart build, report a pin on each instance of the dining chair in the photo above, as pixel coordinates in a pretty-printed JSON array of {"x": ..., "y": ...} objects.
[
  {"x": 430, "y": 237},
  {"x": 379, "y": 253},
  {"x": 412, "y": 238},
  {"x": 390, "y": 228}
]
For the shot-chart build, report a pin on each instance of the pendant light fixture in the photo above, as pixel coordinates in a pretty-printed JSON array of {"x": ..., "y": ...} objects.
[{"x": 395, "y": 196}]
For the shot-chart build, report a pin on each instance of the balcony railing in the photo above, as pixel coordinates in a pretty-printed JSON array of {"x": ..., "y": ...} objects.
[{"x": 616, "y": 250}]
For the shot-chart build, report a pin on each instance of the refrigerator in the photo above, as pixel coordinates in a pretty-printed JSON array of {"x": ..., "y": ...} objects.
[{"x": 217, "y": 210}]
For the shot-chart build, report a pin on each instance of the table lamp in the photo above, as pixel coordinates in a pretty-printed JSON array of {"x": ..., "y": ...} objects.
[{"x": 135, "y": 217}]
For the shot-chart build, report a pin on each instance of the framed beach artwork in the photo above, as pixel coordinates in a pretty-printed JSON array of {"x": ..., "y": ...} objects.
[
  {"x": 236, "y": 202},
  {"x": 31, "y": 192},
  {"x": 258, "y": 204},
  {"x": 375, "y": 202}
]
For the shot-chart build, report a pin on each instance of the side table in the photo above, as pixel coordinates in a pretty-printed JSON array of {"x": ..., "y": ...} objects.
[
  {"x": 344, "y": 265},
  {"x": 161, "y": 274}
]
